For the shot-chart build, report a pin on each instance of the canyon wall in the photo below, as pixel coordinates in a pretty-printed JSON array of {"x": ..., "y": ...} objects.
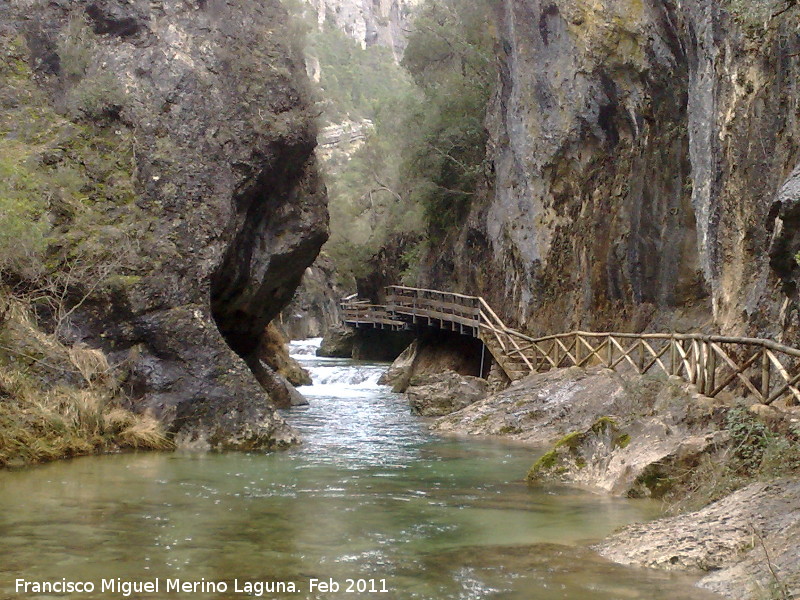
[
  {"x": 226, "y": 212},
  {"x": 636, "y": 153},
  {"x": 369, "y": 22}
]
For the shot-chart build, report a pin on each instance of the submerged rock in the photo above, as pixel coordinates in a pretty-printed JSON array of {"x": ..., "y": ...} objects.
[
  {"x": 748, "y": 541},
  {"x": 443, "y": 393}
]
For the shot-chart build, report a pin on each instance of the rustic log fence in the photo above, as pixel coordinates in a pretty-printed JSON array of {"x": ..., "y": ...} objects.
[{"x": 761, "y": 368}]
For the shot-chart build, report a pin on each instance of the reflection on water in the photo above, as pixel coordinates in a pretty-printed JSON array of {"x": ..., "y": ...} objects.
[{"x": 370, "y": 494}]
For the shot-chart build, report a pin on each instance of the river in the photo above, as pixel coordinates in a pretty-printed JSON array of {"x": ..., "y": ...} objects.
[{"x": 370, "y": 495}]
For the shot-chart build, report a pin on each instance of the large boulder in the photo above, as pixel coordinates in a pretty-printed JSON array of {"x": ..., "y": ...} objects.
[
  {"x": 619, "y": 434},
  {"x": 747, "y": 541},
  {"x": 444, "y": 393},
  {"x": 337, "y": 343},
  {"x": 436, "y": 352},
  {"x": 399, "y": 373},
  {"x": 223, "y": 208}
]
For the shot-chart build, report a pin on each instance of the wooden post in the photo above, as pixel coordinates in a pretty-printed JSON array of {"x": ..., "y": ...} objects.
[
  {"x": 610, "y": 350},
  {"x": 712, "y": 368},
  {"x": 673, "y": 355},
  {"x": 641, "y": 357},
  {"x": 577, "y": 351},
  {"x": 701, "y": 367},
  {"x": 765, "y": 366}
]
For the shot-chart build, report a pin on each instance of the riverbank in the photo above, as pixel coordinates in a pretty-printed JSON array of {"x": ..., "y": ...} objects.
[
  {"x": 59, "y": 401},
  {"x": 730, "y": 467},
  {"x": 370, "y": 494}
]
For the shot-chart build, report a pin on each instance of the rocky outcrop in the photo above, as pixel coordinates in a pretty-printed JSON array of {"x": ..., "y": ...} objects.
[
  {"x": 542, "y": 408},
  {"x": 746, "y": 540},
  {"x": 338, "y": 343},
  {"x": 435, "y": 352},
  {"x": 612, "y": 433},
  {"x": 369, "y": 22},
  {"x": 399, "y": 373},
  {"x": 227, "y": 210},
  {"x": 275, "y": 353},
  {"x": 338, "y": 142},
  {"x": 315, "y": 306},
  {"x": 635, "y": 152},
  {"x": 443, "y": 393}
]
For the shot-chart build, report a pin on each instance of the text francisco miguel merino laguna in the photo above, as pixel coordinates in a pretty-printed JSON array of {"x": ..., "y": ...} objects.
[{"x": 126, "y": 588}]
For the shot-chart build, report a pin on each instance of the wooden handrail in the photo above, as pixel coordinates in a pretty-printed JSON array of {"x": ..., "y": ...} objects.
[{"x": 698, "y": 358}]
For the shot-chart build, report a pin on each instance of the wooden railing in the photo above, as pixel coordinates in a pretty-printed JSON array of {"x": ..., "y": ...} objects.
[
  {"x": 434, "y": 305},
  {"x": 360, "y": 312},
  {"x": 762, "y": 368}
]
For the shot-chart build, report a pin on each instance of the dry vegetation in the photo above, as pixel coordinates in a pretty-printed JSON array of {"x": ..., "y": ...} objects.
[{"x": 58, "y": 401}]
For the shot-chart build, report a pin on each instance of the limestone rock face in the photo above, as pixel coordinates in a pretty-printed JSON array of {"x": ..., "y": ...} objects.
[
  {"x": 635, "y": 152},
  {"x": 369, "y": 22},
  {"x": 315, "y": 306},
  {"x": 231, "y": 208},
  {"x": 444, "y": 393},
  {"x": 747, "y": 539}
]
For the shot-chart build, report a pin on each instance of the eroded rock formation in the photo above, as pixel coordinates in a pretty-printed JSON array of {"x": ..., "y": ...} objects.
[
  {"x": 746, "y": 540},
  {"x": 229, "y": 208},
  {"x": 315, "y": 306},
  {"x": 369, "y": 22}
]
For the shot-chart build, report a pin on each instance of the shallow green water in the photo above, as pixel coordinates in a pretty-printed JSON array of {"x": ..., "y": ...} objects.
[{"x": 370, "y": 495}]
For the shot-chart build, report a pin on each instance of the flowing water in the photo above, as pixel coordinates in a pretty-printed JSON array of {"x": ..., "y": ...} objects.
[{"x": 369, "y": 496}]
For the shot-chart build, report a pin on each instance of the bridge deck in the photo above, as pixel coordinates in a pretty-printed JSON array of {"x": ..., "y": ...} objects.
[{"x": 762, "y": 368}]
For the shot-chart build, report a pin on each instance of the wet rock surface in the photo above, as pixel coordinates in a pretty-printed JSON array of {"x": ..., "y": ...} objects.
[
  {"x": 444, "y": 393},
  {"x": 338, "y": 343},
  {"x": 230, "y": 207},
  {"x": 599, "y": 429},
  {"x": 746, "y": 540}
]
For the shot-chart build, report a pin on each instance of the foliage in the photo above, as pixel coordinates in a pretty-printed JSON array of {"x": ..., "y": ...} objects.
[
  {"x": 450, "y": 56},
  {"x": 93, "y": 92},
  {"x": 67, "y": 215},
  {"x": 418, "y": 172},
  {"x": 754, "y": 452},
  {"x": 68, "y": 227},
  {"x": 354, "y": 82}
]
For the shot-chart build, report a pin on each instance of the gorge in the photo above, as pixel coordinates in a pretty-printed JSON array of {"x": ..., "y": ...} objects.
[{"x": 187, "y": 184}]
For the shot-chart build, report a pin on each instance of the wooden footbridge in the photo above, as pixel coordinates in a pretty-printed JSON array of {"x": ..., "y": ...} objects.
[{"x": 761, "y": 368}]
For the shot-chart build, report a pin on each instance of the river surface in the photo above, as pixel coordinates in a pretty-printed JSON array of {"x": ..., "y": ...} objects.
[{"x": 370, "y": 495}]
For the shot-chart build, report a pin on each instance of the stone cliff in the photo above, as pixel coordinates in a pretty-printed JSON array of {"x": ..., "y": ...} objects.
[
  {"x": 227, "y": 210},
  {"x": 369, "y": 22},
  {"x": 315, "y": 306},
  {"x": 635, "y": 157}
]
